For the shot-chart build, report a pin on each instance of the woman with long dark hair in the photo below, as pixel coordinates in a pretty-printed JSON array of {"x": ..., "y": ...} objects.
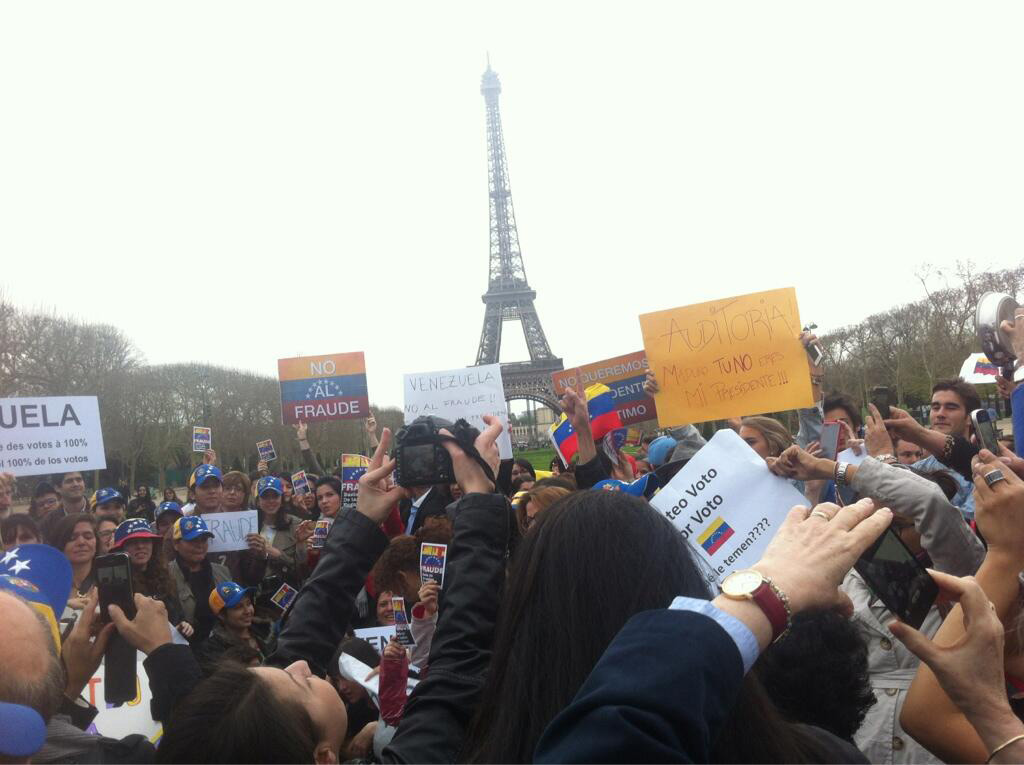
[
  {"x": 275, "y": 543},
  {"x": 150, "y": 575},
  {"x": 142, "y": 505},
  {"x": 546, "y": 629},
  {"x": 75, "y": 536}
]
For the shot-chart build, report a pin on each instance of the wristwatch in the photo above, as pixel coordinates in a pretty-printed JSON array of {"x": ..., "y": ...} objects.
[{"x": 749, "y": 584}]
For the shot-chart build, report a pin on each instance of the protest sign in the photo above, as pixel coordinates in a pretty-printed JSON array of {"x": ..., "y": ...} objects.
[
  {"x": 378, "y": 637},
  {"x": 625, "y": 376},
  {"x": 229, "y": 529},
  {"x": 469, "y": 393},
  {"x": 300, "y": 485},
  {"x": 52, "y": 434},
  {"x": 266, "y": 450},
  {"x": 432, "y": 559},
  {"x": 131, "y": 717},
  {"x": 321, "y": 388},
  {"x": 402, "y": 629},
  {"x": 284, "y": 596},
  {"x": 978, "y": 370},
  {"x": 728, "y": 358},
  {"x": 352, "y": 468},
  {"x": 727, "y": 504},
  {"x": 202, "y": 439},
  {"x": 320, "y": 531}
]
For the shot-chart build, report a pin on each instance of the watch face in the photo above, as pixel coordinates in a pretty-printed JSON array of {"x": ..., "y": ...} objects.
[{"x": 741, "y": 584}]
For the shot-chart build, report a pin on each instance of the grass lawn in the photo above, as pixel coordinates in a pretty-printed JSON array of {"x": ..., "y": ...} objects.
[{"x": 539, "y": 458}]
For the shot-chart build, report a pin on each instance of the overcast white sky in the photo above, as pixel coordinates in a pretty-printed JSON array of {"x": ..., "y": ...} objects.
[{"x": 303, "y": 178}]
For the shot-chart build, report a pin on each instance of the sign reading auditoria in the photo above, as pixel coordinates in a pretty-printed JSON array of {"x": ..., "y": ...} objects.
[
  {"x": 54, "y": 434},
  {"x": 320, "y": 388}
]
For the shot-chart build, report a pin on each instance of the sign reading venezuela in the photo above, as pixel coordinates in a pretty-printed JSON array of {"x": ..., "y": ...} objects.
[{"x": 319, "y": 388}]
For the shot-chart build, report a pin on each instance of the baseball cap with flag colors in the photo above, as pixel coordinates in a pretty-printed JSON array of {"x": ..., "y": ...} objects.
[
  {"x": 133, "y": 528},
  {"x": 205, "y": 473},
  {"x": 42, "y": 576},
  {"x": 191, "y": 527},
  {"x": 228, "y": 595},
  {"x": 269, "y": 483},
  {"x": 604, "y": 418}
]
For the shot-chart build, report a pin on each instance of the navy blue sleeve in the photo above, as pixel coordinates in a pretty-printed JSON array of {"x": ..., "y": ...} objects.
[
  {"x": 1017, "y": 402},
  {"x": 660, "y": 693}
]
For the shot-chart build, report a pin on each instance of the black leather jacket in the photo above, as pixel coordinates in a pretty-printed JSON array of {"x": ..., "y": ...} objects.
[
  {"x": 323, "y": 609},
  {"x": 439, "y": 710}
]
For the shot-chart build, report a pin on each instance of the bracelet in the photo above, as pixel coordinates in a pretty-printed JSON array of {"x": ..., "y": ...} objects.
[
  {"x": 947, "y": 452},
  {"x": 818, "y": 380},
  {"x": 840, "y": 474},
  {"x": 1003, "y": 746},
  {"x": 784, "y": 599}
]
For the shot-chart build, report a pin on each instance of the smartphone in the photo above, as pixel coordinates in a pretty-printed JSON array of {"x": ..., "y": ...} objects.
[
  {"x": 880, "y": 398},
  {"x": 829, "y": 441},
  {"x": 114, "y": 582},
  {"x": 898, "y": 578},
  {"x": 815, "y": 353},
  {"x": 986, "y": 430}
]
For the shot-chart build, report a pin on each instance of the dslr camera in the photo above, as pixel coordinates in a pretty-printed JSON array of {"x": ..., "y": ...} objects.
[{"x": 420, "y": 456}]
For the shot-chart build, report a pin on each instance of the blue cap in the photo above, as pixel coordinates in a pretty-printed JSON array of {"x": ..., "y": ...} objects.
[
  {"x": 22, "y": 730},
  {"x": 269, "y": 483},
  {"x": 42, "y": 576},
  {"x": 660, "y": 449},
  {"x": 645, "y": 486},
  {"x": 133, "y": 528},
  {"x": 169, "y": 507},
  {"x": 228, "y": 595},
  {"x": 191, "y": 527},
  {"x": 103, "y": 496},
  {"x": 205, "y": 472}
]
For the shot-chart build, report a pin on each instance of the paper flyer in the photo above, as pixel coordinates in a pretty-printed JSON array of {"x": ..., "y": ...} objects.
[
  {"x": 320, "y": 532},
  {"x": 300, "y": 485},
  {"x": 202, "y": 439},
  {"x": 284, "y": 596},
  {"x": 402, "y": 629},
  {"x": 432, "y": 560},
  {"x": 266, "y": 450}
]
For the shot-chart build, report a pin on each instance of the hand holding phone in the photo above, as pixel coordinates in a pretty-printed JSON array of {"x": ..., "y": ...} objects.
[
  {"x": 114, "y": 582},
  {"x": 986, "y": 431},
  {"x": 830, "y": 433},
  {"x": 880, "y": 398},
  {"x": 898, "y": 578}
]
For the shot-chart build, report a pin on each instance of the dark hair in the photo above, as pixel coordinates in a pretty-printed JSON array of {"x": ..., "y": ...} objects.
[
  {"x": 146, "y": 487},
  {"x": 330, "y": 480},
  {"x": 356, "y": 648},
  {"x": 967, "y": 392},
  {"x": 527, "y": 466},
  {"x": 44, "y": 487},
  {"x": 9, "y": 527},
  {"x": 844, "y": 402},
  {"x": 402, "y": 554},
  {"x": 58, "y": 478},
  {"x": 556, "y": 462},
  {"x": 241, "y": 653},
  {"x": 65, "y": 528},
  {"x": 235, "y": 716},
  {"x": 155, "y": 580},
  {"x": 517, "y": 483},
  {"x": 42, "y": 692},
  {"x": 285, "y": 478},
  {"x": 943, "y": 479},
  {"x": 548, "y": 630},
  {"x": 818, "y": 675}
]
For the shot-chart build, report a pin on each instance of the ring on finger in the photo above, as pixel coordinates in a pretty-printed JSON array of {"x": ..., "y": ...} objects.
[
  {"x": 993, "y": 477},
  {"x": 820, "y": 514}
]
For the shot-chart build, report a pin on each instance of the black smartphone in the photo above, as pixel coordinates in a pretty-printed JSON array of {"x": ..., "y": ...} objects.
[
  {"x": 898, "y": 579},
  {"x": 880, "y": 398},
  {"x": 114, "y": 582},
  {"x": 815, "y": 353},
  {"x": 986, "y": 430}
]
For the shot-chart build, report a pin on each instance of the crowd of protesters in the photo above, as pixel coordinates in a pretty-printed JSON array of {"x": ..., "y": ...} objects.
[{"x": 573, "y": 624}]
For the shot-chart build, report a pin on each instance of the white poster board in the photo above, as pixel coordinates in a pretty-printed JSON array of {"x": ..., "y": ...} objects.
[
  {"x": 132, "y": 716},
  {"x": 229, "y": 529},
  {"x": 469, "y": 393},
  {"x": 727, "y": 504},
  {"x": 52, "y": 434},
  {"x": 378, "y": 637}
]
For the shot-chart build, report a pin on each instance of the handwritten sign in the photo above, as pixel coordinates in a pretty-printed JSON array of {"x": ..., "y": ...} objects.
[
  {"x": 625, "y": 376},
  {"x": 52, "y": 434},
  {"x": 728, "y": 358},
  {"x": 468, "y": 393},
  {"x": 266, "y": 450},
  {"x": 727, "y": 504},
  {"x": 202, "y": 439},
  {"x": 378, "y": 637},
  {"x": 229, "y": 529},
  {"x": 321, "y": 388},
  {"x": 352, "y": 468}
]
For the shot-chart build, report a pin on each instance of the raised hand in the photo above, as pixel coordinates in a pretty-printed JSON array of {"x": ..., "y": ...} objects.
[
  {"x": 376, "y": 496},
  {"x": 81, "y": 653},
  {"x": 300, "y": 434},
  {"x": 876, "y": 437},
  {"x": 428, "y": 597},
  {"x": 149, "y": 629},
  {"x": 209, "y": 457},
  {"x": 999, "y": 507},
  {"x": 468, "y": 473}
]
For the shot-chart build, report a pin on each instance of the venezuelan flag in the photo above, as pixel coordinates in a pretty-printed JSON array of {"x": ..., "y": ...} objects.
[
  {"x": 604, "y": 418},
  {"x": 715, "y": 536}
]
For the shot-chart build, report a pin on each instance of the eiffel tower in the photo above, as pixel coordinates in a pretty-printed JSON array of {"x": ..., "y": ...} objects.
[{"x": 508, "y": 296}]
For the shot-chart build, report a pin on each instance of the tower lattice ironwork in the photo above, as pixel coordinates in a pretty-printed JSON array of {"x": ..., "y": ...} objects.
[{"x": 508, "y": 296}]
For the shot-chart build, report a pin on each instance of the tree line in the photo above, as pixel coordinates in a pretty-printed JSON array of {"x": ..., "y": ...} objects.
[{"x": 148, "y": 411}]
